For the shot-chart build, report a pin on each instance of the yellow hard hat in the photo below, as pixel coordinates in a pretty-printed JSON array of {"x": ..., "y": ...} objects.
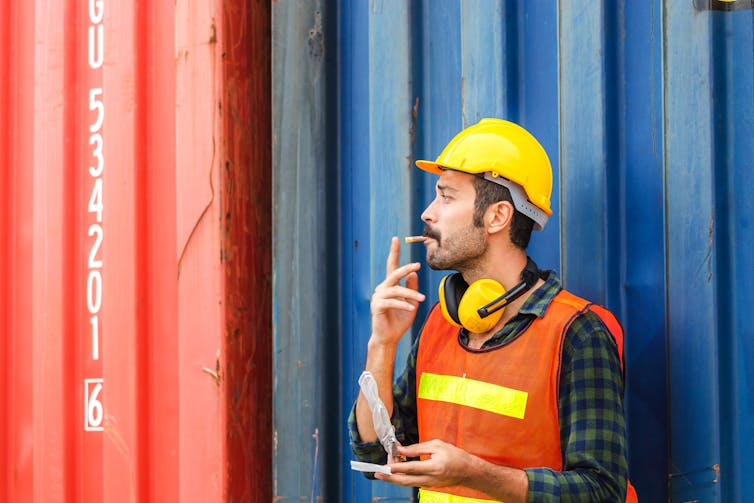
[{"x": 503, "y": 152}]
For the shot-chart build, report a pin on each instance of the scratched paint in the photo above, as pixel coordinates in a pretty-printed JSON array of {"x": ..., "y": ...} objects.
[
  {"x": 646, "y": 205},
  {"x": 645, "y": 109},
  {"x": 304, "y": 198},
  {"x": 131, "y": 142}
]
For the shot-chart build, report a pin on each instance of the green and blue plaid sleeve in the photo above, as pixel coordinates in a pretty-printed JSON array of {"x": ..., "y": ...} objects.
[
  {"x": 592, "y": 429},
  {"x": 403, "y": 418}
]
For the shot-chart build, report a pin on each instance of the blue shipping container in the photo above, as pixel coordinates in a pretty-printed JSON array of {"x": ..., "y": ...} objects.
[{"x": 646, "y": 110}]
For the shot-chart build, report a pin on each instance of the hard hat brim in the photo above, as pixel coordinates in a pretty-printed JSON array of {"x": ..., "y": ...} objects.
[{"x": 429, "y": 166}]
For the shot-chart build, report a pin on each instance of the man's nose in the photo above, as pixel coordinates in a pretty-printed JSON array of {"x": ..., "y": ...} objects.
[{"x": 428, "y": 213}]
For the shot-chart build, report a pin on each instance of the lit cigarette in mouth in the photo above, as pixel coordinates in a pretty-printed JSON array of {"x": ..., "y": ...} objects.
[{"x": 415, "y": 239}]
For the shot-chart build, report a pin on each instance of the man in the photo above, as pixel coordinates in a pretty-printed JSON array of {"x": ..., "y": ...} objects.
[{"x": 513, "y": 390}]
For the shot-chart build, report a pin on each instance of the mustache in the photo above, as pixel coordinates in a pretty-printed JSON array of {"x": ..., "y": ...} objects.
[{"x": 428, "y": 232}]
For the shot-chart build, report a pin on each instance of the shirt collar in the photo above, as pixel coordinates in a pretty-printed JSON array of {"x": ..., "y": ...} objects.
[{"x": 540, "y": 298}]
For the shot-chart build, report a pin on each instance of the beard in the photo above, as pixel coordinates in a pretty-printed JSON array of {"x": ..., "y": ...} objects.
[{"x": 459, "y": 250}]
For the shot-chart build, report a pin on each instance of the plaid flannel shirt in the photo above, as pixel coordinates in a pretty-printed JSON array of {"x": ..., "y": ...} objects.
[{"x": 590, "y": 405}]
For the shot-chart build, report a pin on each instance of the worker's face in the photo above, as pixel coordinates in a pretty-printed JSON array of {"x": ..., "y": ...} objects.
[{"x": 454, "y": 242}]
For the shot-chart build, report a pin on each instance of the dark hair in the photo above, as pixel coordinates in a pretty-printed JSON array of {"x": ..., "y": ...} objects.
[{"x": 487, "y": 193}]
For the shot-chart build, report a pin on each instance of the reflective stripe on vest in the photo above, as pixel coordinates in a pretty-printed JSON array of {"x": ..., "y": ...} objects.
[
  {"x": 471, "y": 393},
  {"x": 427, "y": 496}
]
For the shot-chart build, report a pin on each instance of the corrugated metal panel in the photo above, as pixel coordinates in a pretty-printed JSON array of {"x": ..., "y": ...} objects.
[
  {"x": 584, "y": 202},
  {"x": 708, "y": 151},
  {"x": 650, "y": 132},
  {"x": 305, "y": 299},
  {"x": 689, "y": 199},
  {"x": 637, "y": 144},
  {"x": 734, "y": 208},
  {"x": 133, "y": 264},
  {"x": 245, "y": 101}
]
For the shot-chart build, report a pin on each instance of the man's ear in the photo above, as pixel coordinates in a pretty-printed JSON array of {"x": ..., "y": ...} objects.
[{"x": 498, "y": 216}]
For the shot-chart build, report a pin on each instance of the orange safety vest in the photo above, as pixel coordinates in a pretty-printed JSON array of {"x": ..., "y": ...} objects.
[{"x": 499, "y": 404}]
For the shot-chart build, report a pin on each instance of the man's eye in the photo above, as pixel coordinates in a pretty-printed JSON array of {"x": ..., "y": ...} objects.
[{"x": 444, "y": 196}]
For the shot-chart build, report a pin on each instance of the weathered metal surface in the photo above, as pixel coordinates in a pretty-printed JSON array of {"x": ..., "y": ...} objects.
[
  {"x": 734, "y": 210},
  {"x": 691, "y": 256},
  {"x": 709, "y": 206},
  {"x": 584, "y": 199},
  {"x": 136, "y": 319},
  {"x": 246, "y": 254},
  {"x": 198, "y": 218},
  {"x": 121, "y": 275},
  {"x": 304, "y": 291},
  {"x": 639, "y": 295},
  {"x": 649, "y": 132}
]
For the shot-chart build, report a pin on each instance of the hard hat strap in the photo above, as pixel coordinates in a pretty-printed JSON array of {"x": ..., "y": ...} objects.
[{"x": 520, "y": 201}]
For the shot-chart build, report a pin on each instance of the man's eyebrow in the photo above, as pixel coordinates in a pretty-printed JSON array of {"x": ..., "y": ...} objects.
[{"x": 446, "y": 188}]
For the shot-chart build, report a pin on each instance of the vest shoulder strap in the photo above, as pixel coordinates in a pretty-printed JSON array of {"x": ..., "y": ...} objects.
[{"x": 606, "y": 316}]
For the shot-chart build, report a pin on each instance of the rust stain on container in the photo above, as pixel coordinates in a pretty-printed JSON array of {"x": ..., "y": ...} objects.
[{"x": 247, "y": 248}]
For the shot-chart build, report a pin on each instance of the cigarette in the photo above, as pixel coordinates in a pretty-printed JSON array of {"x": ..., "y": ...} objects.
[{"x": 415, "y": 239}]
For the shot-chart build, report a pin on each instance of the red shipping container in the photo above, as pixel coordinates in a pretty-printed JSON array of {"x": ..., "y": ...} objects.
[{"x": 136, "y": 253}]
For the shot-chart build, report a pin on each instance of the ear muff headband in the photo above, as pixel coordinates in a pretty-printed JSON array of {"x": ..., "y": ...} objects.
[{"x": 460, "y": 302}]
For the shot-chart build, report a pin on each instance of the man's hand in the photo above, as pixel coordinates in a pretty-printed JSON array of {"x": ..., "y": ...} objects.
[
  {"x": 447, "y": 466},
  {"x": 394, "y": 306},
  {"x": 450, "y": 466}
]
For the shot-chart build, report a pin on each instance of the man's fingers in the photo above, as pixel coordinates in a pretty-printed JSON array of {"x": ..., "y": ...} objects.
[
  {"x": 411, "y": 473},
  {"x": 402, "y": 480},
  {"x": 393, "y": 258},
  {"x": 385, "y": 304},
  {"x": 395, "y": 277},
  {"x": 416, "y": 450},
  {"x": 412, "y": 281},
  {"x": 399, "y": 292},
  {"x": 409, "y": 468}
]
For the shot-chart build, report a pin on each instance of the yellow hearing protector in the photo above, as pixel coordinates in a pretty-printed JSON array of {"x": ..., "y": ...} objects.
[{"x": 479, "y": 306}]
